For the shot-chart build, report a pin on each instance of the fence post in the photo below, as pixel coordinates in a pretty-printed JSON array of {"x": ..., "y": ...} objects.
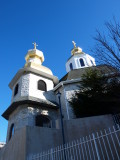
[
  {"x": 96, "y": 148},
  {"x": 30, "y": 157},
  {"x": 51, "y": 154}
]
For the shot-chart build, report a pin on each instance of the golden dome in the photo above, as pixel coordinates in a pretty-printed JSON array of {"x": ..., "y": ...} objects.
[
  {"x": 76, "y": 50},
  {"x": 34, "y": 53},
  {"x": 35, "y": 58},
  {"x": 39, "y": 67}
]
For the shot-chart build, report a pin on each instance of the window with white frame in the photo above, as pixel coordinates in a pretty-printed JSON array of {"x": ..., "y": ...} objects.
[
  {"x": 82, "y": 62},
  {"x": 71, "y": 66}
]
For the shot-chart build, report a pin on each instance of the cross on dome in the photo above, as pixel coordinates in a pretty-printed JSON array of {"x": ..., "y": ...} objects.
[
  {"x": 34, "y": 56},
  {"x": 35, "y": 45},
  {"x": 74, "y": 44}
]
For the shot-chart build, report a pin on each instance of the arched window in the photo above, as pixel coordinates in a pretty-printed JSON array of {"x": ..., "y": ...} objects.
[
  {"x": 11, "y": 131},
  {"x": 16, "y": 89},
  {"x": 71, "y": 66},
  {"x": 82, "y": 62},
  {"x": 92, "y": 62},
  {"x": 42, "y": 121},
  {"x": 42, "y": 85}
]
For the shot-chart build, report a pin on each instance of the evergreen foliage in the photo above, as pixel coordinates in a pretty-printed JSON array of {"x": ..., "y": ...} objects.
[{"x": 98, "y": 94}]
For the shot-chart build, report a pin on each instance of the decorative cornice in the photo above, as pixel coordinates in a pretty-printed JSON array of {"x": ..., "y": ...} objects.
[
  {"x": 29, "y": 100},
  {"x": 27, "y": 70}
]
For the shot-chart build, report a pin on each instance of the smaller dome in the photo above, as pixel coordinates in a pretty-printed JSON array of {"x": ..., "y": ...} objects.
[
  {"x": 79, "y": 59},
  {"x": 76, "y": 50}
]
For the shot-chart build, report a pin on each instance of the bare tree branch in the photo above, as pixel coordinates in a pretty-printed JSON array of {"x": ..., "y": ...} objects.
[{"x": 107, "y": 47}]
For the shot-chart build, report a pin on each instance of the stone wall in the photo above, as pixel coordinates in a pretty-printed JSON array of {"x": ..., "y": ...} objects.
[
  {"x": 25, "y": 115},
  {"x": 41, "y": 139},
  {"x": 2, "y": 144},
  {"x": 32, "y": 140},
  {"x": 16, "y": 148},
  {"x": 76, "y": 128}
]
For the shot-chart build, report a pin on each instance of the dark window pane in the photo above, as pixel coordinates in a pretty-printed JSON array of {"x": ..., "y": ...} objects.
[
  {"x": 42, "y": 85},
  {"x": 71, "y": 66},
  {"x": 16, "y": 90},
  {"x": 42, "y": 121},
  {"x": 11, "y": 131},
  {"x": 82, "y": 62},
  {"x": 92, "y": 62}
]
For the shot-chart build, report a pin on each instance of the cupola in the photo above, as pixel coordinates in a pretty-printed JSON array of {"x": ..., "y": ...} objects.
[
  {"x": 76, "y": 50},
  {"x": 35, "y": 58},
  {"x": 34, "y": 55},
  {"x": 79, "y": 59}
]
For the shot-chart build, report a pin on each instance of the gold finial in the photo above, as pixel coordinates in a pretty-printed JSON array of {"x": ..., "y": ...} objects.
[
  {"x": 74, "y": 44},
  {"x": 35, "y": 45}
]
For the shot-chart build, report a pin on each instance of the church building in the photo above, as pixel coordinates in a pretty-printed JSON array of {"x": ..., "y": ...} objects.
[{"x": 34, "y": 115}]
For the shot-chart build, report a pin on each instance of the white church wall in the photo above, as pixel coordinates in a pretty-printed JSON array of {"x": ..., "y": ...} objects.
[
  {"x": 28, "y": 86},
  {"x": 62, "y": 101},
  {"x": 67, "y": 92},
  {"x": 90, "y": 61},
  {"x": 16, "y": 97},
  {"x": 71, "y": 60},
  {"x": 33, "y": 88},
  {"x": 70, "y": 91},
  {"x": 63, "y": 104},
  {"x": 75, "y": 60}
]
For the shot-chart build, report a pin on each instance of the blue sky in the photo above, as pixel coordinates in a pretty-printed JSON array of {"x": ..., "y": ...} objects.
[{"x": 52, "y": 24}]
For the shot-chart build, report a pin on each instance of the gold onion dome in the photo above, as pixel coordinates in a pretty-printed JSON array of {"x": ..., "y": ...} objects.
[
  {"x": 35, "y": 54},
  {"x": 76, "y": 50},
  {"x": 34, "y": 59}
]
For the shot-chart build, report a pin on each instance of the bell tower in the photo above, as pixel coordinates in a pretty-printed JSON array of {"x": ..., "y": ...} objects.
[{"x": 33, "y": 100}]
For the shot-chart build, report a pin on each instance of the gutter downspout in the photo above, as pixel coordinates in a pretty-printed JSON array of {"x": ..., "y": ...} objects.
[{"x": 66, "y": 103}]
